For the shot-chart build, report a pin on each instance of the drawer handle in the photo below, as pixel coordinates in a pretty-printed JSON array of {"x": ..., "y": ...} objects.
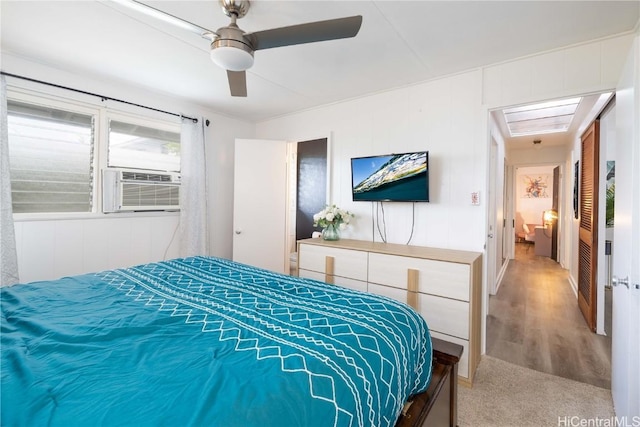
[
  {"x": 329, "y": 262},
  {"x": 413, "y": 277}
]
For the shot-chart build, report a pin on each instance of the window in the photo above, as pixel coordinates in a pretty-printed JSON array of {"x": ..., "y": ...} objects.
[
  {"x": 141, "y": 147},
  {"x": 545, "y": 117},
  {"x": 51, "y": 158},
  {"x": 58, "y": 148}
]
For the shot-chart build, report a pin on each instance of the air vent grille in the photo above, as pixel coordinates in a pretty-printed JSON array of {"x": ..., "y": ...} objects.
[
  {"x": 150, "y": 195},
  {"x": 132, "y": 191},
  {"x": 145, "y": 176}
]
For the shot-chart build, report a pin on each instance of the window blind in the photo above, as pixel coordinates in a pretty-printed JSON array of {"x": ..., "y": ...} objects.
[{"x": 51, "y": 159}]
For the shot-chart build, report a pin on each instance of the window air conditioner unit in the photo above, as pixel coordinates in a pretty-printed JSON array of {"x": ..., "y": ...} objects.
[{"x": 128, "y": 190}]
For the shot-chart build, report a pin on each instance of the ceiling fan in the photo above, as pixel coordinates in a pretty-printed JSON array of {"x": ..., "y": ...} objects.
[{"x": 232, "y": 48}]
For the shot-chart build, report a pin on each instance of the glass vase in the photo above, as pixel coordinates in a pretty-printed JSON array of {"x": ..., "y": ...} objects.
[{"x": 331, "y": 232}]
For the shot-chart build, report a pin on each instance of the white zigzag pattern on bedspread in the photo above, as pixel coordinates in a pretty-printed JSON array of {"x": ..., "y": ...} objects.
[{"x": 259, "y": 311}]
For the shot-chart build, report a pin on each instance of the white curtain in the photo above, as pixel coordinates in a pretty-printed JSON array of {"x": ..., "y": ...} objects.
[
  {"x": 193, "y": 190},
  {"x": 8, "y": 253}
]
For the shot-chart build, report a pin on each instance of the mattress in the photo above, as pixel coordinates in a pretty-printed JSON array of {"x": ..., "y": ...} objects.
[{"x": 206, "y": 341}]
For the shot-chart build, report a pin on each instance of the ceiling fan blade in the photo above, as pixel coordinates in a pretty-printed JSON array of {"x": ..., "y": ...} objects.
[
  {"x": 164, "y": 16},
  {"x": 319, "y": 31},
  {"x": 237, "y": 83}
]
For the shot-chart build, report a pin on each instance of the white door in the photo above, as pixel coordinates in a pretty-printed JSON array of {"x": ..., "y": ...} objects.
[
  {"x": 625, "y": 352},
  {"x": 259, "y": 203}
]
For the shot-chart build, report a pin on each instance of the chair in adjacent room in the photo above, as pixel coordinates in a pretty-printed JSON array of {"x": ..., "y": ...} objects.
[{"x": 527, "y": 234}]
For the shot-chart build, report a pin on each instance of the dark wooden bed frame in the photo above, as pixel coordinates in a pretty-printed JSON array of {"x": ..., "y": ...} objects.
[{"x": 438, "y": 405}]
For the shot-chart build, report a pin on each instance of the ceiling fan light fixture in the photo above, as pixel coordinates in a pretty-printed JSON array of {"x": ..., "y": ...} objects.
[
  {"x": 232, "y": 58},
  {"x": 232, "y": 49}
]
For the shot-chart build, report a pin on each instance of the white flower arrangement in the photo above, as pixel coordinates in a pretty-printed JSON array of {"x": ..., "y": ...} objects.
[{"x": 332, "y": 215}]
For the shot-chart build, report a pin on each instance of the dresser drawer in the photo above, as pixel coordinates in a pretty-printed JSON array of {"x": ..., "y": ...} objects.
[
  {"x": 463, "y": 366},
  {"x": 445, "y": 315},
  {"x": 447, "y": 279},
  {"x": 357, "y": 285},
  {"x": 388, "y": 291},
  {"x": 346, "y": 263},
  {"x": 309, "y": 274}
]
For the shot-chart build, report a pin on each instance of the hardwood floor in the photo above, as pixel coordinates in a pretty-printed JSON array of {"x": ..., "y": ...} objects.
[{"x": 534, "y": 321}]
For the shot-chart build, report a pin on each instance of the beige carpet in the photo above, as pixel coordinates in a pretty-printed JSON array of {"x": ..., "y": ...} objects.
[{"x": 505, "y": 395}]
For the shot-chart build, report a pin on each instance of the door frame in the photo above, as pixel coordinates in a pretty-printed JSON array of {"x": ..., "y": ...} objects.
[{"x": 564, "y": 223}]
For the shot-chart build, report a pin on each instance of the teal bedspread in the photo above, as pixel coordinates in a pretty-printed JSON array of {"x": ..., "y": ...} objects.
[{"x": 206, "y": 342}]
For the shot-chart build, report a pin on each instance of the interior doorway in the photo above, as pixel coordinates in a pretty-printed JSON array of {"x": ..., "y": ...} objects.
[
  {"x": 311, "y": 184},
  {"x": 266, "y": 181},
  {"x": 308, "y": 190},
  {"x": 536, "y": 291},
  {"x": 536, "y": 204},
  {"x": 560, "y": 149}
]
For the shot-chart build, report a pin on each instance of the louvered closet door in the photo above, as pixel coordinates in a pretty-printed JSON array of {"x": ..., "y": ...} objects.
[{"x": 588, "y": 224}]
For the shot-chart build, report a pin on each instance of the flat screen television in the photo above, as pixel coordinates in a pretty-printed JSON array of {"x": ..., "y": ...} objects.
[{"x": 394, "y": 177}]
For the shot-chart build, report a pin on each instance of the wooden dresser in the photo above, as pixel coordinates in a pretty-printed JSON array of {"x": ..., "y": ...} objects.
[{"x": 443, "y": 285}]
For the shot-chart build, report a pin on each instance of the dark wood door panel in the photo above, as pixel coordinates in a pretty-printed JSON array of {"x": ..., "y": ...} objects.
[{"x": 588, "y": 234}]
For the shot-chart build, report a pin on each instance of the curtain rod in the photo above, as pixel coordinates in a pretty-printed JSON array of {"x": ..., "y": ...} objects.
[{"x": 104, "y": 98}]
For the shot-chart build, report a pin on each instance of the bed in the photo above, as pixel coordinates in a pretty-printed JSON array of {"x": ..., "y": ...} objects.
[{"x": 206, "y": 341}]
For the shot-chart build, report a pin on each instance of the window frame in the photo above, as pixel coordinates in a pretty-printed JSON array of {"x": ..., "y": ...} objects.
[
  {"x": 101, "y": 114},
  {"x": 111, "y": 114}
]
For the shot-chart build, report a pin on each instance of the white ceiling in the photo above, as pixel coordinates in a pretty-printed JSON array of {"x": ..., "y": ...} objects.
[{"x": 400, "y": 43}]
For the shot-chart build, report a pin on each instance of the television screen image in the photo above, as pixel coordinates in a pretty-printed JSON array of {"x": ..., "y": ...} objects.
[{"x": 394, "y": 177}]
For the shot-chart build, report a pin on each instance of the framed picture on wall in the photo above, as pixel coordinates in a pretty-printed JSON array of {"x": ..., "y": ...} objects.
[{"x": 576, "y": 176}]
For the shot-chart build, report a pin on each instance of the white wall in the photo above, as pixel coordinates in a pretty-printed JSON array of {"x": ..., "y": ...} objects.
[
  {"x": 61, "y": 245},
  {"x": 49, "y": 249},
  {"x": 586, "y": 68},
  {"x": 533, "y": 156},
  {"x": 443, "y": 117}
]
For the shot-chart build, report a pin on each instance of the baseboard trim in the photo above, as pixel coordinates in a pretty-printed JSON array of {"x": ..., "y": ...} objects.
[
  {"x": 574, "y": 285},
  {"x": 501, "y": 273}
]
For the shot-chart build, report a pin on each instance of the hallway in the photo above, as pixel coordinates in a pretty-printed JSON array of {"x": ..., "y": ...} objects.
[{"x": 534, "y": 321}]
